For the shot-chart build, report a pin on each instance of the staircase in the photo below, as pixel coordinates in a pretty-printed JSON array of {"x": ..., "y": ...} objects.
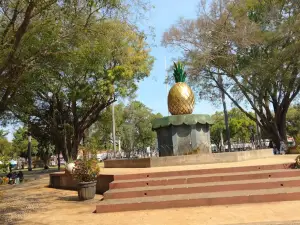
[{"x": 207, "y": 187}]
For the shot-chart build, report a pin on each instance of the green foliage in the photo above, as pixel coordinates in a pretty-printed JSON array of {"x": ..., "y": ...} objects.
[
  {"x": 6, "y": 151},
  {"x": 137, "y": 131},
  {"x": 5, "y": 148},
  {"x": 241, "y": 127},
  {"x": 86, "y": 170},
  {"x": 20, "y": 143},
  {"x": 217, "y": 129},
  {"x": 81, "y": 76},
  {"x": 3, "y": 133},
  {"x": 101, "y": 131},
  {"x": 34, "y": 31},
  {"x": 133, "y": 127},
  {"x": 178, "y": 72},
  {"x": 293, "y": 121},
  {"x": 253, "y": 46},
  {"x": 297, "y": 162}
]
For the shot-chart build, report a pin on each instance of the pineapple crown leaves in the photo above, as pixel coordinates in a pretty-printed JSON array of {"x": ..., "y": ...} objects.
[{"x": 178, "y": 72}]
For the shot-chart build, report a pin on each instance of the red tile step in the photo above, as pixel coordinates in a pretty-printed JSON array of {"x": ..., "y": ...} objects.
[
  {"x": 139, "y": 192},
  {"x": 199, "y": 199},
  {"x": 202, "y": 171},
  {"x": 220, "y": 177}
]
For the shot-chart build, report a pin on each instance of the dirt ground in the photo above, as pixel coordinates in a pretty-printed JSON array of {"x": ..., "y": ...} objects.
[{"x": 35, "y": 203}]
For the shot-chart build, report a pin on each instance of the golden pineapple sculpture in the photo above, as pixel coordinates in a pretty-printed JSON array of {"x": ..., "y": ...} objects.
[{"x": 181, "y": 99}]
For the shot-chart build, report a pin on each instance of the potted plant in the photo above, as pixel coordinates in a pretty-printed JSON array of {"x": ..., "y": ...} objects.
[{"x": 85, "y": 172}]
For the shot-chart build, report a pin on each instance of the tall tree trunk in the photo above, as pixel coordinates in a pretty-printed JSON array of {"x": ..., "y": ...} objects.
[
  {"x": 280, "y": 129},
  {"x": 77, "y": 137},
  {"x": 58, "y": 159},
  {"x": 225, "y": 113}
]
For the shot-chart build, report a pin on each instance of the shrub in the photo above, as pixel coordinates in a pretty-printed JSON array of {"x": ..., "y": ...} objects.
[
  {"x": 86, "y": 170},
  {"x": 4, "y": 180}
]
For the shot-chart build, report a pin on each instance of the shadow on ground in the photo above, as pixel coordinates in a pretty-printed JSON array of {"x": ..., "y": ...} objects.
[{"x": 69, "y": 198}]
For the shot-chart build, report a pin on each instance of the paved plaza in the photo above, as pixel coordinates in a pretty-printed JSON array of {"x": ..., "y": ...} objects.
[{"x": 35, "y": 203}]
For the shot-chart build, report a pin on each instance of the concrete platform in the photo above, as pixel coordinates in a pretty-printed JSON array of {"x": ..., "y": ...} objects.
[
  {"x": 274, "y": 159},
  {"x": 202, "y": 199},
  {"x": 60, "y": 180},
  {"x": 189, "y": 159},
  {"x": 203, "y": 187},
  {"x": 209, "y": 187}
]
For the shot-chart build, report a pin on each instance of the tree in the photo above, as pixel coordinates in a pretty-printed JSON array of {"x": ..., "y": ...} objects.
[
  {"x": 28, "y": 34},
  {"x": 217, "y": 129},
  {"x": 6, "y": 152},
  {"x": 241, "y": 128},
  {"x": 20, "y": 143},
  {"x": 137, "y": 128},
  {"x": 133, "y": 127},
  {"x": 101, "y": 130},
  {"x": 5, "y": 148},
  {"x": 72, "y": 89},
  {"x": 3, "y": 133},
  {"x": 293, "y": 121},
  {"x": 253, "y": 46}
]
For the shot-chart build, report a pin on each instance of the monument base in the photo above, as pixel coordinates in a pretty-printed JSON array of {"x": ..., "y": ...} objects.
[
  {"x": 183, "y": 134},
  {"x": 196, "y": 159}
]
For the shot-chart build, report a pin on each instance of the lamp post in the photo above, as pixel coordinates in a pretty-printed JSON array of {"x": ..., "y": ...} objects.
[{"x": 29, "y": 151}]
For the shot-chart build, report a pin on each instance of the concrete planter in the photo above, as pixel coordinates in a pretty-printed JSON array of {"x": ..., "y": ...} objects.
[{"x": 86, "y": 190}]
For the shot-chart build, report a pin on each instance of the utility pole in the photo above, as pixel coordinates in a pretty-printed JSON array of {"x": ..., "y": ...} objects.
[
  {"x": 220, "y": 81},
  {"x": 167, "y": 88},
  {"x": 113, "y": 127},
  {"x": 29, "y": 151}
]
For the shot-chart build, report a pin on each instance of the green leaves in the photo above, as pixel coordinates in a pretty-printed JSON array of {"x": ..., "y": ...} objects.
[
  {"x": 75, "y": 59},
  {"x": 133, "y": 127},
  {"x": 239, "y": 125},
  {"x": 20, "y": 143},
  {"x": 179, "y": 73},
  {"x": 5, "y": 149},
  {"x": 86, "y": 170},
  {"x": 253, "y": 45}
]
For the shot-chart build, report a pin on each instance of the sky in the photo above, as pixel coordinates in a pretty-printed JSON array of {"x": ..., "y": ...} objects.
[{"x": 152, "y": 91}]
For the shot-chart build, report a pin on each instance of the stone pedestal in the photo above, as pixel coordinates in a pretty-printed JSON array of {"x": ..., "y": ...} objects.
[{"x": 183, "y": 134}]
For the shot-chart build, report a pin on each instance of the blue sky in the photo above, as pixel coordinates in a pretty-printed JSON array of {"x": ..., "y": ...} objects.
[{"x": 152, "y": 91}]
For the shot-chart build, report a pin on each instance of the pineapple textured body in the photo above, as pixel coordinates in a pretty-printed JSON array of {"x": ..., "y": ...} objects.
[{"x": 181, "y": 99}]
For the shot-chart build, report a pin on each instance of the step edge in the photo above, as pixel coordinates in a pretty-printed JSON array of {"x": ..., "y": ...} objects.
[
  {"x": 193, "y": 203},
  {"x": 120, "y": 177},
  {"x": 206, "y": 175},
  {"x": 284, "y": 190}
]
